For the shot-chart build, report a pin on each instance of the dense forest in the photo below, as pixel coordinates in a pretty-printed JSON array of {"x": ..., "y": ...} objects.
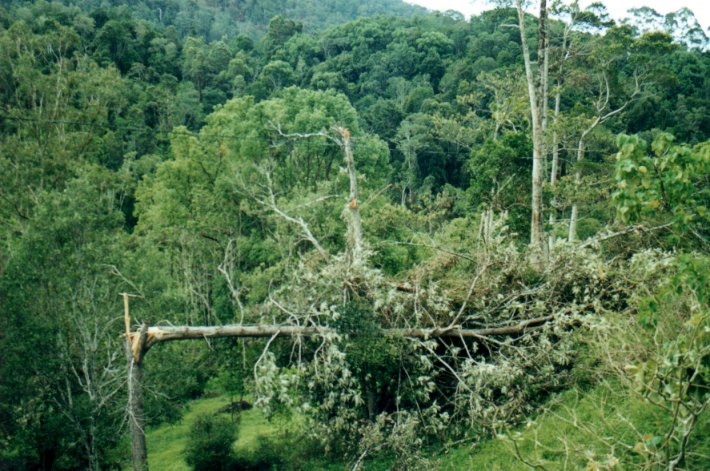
[{"x": 489, "y": 237}]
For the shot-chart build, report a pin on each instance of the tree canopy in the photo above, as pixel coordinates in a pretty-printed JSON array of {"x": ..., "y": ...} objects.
[{"x": 362, "y": 168}]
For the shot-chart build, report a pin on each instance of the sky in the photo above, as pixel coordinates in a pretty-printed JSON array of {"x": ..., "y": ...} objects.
[{"x": 617, "y": 8}]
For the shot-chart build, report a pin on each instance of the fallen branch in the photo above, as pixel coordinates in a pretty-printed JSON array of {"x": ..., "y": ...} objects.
[
  {"x": 637, "y": 229},
  {"x": 165, "y": 333}
]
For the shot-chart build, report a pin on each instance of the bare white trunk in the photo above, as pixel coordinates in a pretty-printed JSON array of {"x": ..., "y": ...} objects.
[
  {"x": 355, "y": 239},
  {"x": 536, "y": 111},
  {"x": 554, "y": 170},
  {"x": 572, "y": 236},
  {"x": 573, "y": 223},
  {"x": 167, "y": 333}
]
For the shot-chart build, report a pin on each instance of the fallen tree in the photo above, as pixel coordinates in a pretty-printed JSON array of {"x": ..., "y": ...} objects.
[
  {"x": 141, "y": 340},
  {"x": 165, "y": 333},
  {"x": 363, "y": 324}
]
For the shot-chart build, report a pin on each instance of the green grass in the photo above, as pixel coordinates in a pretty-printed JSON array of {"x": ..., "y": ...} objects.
[
  {"x": 167, "y": 442},
  {"x": 576, "y": 429},
  {"x": 597, "y": 429}
]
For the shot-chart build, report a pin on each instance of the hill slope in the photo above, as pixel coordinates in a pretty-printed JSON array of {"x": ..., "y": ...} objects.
[{"x": 215, "y": 19}]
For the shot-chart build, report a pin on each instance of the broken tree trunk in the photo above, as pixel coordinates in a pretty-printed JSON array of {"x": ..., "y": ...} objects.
[
  {"x": 135, "y": 350},
  {"x": 355, "y": 226},
  {"x": 165, "y": 333},
  {"x": 138, "y": 343}
]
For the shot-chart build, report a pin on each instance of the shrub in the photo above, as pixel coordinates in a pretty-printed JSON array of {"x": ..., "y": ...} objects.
[{"x": 210, "y": 445}]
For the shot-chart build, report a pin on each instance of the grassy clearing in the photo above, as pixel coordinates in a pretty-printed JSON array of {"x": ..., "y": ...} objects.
[
  {"x": 598, "y": 429},
  {"x": 167, "y": 442}
]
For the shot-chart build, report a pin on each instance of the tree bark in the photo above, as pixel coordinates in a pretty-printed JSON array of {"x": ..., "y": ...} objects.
[
  {"x": 555, "y": 168},
  {"x": 355, "y": 226},
  {"x": 572, "y": 236},
  {"x": 535, "y": 95},
  {"x": 166, "y": 333},
  {"x": 135, "y": 350},
  {"x": 136, "y": 415}
]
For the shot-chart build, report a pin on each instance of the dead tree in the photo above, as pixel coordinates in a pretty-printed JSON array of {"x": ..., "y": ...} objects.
[
  {"x": 602, "y": 115},
  {"x": 355, "y": 226},
  {"x": 356, "y": 246},
  {"x": 140, "y": 341},
  {"x": 135, "y": 350}
]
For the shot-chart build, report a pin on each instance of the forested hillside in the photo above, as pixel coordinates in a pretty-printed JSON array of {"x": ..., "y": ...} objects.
[
  {"x": 460, "y": 221},
  {"x": 216, "y": 19}
]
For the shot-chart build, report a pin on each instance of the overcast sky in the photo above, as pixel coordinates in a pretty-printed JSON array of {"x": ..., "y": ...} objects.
[{"x": 617, "y": 8}]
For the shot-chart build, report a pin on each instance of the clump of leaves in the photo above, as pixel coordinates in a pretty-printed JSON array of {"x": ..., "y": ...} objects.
[
  {"x": 209, "y": 446},
  {"x": 671, "y": 181},
  {"x": 658, "y": 353}
]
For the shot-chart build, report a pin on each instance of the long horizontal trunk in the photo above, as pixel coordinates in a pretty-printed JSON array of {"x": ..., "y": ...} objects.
[{"x": 163, "y": 334}]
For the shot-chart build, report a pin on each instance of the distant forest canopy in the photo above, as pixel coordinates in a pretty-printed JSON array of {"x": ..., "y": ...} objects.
[
  {"x": 431, "y": 84},
  {"x": 192, "y": 152},
  {"x": 218, "y": 19}
]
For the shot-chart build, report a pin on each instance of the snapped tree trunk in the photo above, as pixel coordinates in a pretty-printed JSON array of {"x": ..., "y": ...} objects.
[
  {"x": 355, "y": 222},
  {"x": 146, "y": 337},
  {"x": 136, "y": 415},
  {"x": 158, "y": 334},
  {"x": 135, "y": 350}
]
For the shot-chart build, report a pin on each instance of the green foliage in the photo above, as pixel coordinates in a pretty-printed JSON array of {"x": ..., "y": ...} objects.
[
  {"x": 191, "y": 153},
  {"x": 495, "y": 166},
  {"x": 649, "y": 360},
  {"x": 595, "y": 428},
  {"x": 390, "y": 227},
  {"x": 646, "y": 404},
  {"x": 210, "y": 444},
  {"x": 676, "y": 379},
  {"x": 369, "y": 354},
  {"x": 60, "y": 363},
  {"x": 672, "y": 181}
]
